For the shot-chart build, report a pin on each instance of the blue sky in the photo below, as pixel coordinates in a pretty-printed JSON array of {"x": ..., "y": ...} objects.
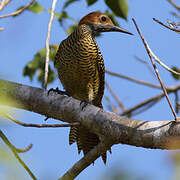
[{"x": 51, "y": 155}]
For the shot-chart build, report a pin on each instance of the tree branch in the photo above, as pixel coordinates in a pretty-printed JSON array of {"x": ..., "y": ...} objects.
[
  {"x": 133, "y": 79},
  {"x": 15, "y": 151},
  {"x": 39, "y": 125},
  {"x": 18, "y": 11},
  {"x": 47, "y": 44},
  {"x": 151, "y": 56},
  {"x": 84, "y": 162},
  {"x": 115, "y": 97},
  {"x": 173, "y": 4},
  {"x": 171, "y": 28},
  {"x": 150, "y": 101},
  {"x": 110, "y": 127},
  {"x": 4, "y": 3}
]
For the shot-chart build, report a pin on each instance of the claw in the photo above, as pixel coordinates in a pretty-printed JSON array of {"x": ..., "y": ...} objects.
[
  {"x": 83, "y": 104},
  {"x": 57, "y": 91}
]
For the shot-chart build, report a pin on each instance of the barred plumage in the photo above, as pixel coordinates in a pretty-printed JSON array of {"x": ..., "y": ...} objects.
[{"x": 81, "y": 71}]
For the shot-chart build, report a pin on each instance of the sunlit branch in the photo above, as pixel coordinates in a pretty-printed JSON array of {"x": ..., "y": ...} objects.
[
  {"x": 4, "y": 3},
  {"x": 47, "y": 44}
]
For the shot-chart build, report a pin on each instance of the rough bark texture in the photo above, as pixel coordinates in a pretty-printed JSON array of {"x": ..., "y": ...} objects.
[{"x": 111, "y": 128}]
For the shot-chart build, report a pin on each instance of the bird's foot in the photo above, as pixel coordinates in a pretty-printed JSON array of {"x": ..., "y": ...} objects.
[
  {"x": 57, "y": 91},
  {"x": 84, "y": 103}
]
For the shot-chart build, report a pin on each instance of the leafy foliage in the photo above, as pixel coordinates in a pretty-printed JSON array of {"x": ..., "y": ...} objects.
[
  {"x": 37, "y": 64},
  {"x": 119, "y": 7}
]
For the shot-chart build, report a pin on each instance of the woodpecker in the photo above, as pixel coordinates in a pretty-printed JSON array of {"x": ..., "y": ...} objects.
[{"x": 81, "y": 71}]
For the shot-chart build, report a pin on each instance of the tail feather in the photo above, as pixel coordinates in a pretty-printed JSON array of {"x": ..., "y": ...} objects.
[
  {"x": 73, "y": 134},
  {"x": 85, "y": 140}
]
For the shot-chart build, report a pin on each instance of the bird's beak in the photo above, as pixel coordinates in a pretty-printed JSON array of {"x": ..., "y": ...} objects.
[{"x": 109, "y": 28}]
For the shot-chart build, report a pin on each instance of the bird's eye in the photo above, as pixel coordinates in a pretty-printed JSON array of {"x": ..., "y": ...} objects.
[{"x": 103, "y": 18}]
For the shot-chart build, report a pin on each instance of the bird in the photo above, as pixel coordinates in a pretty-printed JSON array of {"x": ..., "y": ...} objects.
[{"x": 81, "y": 70}]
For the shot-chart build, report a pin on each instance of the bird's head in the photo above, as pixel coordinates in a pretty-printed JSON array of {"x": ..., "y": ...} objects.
[{"x": 99, "y": 22}]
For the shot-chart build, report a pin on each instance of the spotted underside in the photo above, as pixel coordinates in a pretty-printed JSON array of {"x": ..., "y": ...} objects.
[{"x": 81, "y": 71}]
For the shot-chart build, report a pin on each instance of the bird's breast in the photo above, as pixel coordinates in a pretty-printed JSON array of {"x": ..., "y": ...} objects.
[{"x": 77, "y": 67}]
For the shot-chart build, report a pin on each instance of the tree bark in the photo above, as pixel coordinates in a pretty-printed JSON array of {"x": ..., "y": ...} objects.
[{"x": 110, "y": 127}]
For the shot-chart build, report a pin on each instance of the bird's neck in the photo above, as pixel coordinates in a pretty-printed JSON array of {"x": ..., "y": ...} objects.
[{"x": 84, "y": 31}]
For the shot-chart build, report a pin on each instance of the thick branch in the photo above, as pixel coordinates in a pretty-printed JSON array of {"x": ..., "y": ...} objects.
[{"x": 109, "y": 126}]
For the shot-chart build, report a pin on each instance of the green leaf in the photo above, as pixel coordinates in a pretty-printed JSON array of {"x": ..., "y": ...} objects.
[
  {"x": 68, "y": 2},
  {"x": 90, "y": 2},
  {"x": 119, "y": 7},
  {"x": 176, "y": 77},
  {"x": 36, "y": 8}
]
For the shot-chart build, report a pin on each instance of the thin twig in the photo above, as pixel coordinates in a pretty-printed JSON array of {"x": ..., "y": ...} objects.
[
  {"x": 144, "y": 62},
  {"x": 171, "y": 28},
  {"x": 151, "y": 56},
  {"x": 18, "y": 11},
  {"x": 7, "y": 142},
  {"x": 47, "y": 44},
  {"x": 150, "y": 100},
  {"x": 4, "y": 3},
  {"x": 175, "y": 5},
  {"x": 39, "y": 125},
  {"x": 146, "y": 107},
  {"x": 133, "y": 79},
  {"x": 115, "y": 97},
  {"x": 176, "y": 102},
  {"x": 84, "y": 162},
  {"x": 23, "y": 150}
]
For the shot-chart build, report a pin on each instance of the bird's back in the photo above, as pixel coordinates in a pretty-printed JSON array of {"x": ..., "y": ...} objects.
[{"x": 81, "y": 71}]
